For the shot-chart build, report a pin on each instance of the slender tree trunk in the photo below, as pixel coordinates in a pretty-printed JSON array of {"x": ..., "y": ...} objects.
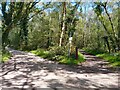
[
  {"x": 98, "y": 37},
  {"x": 109, "y": 34},
  {"x": 63, "y": 24},
  {"x": 49, "y": 34},
  {"x": 107, "y": 42},
  {"x": 119, "y": 25},
  {"x": 110, "y": 21},
  {"x": 114, "y": 34},
  {"x": 85, "y": 30}
]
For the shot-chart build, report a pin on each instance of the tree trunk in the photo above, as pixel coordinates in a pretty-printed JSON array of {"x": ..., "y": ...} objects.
[
  {"x": 5, "y": 34},
  {"x": 98, "y": 36},
  {"x": 114, "y": 34},
  {"x": 109, "y": 34},
  {"x": 63, "y": 24},
  {"x": 119, "y": 25},
  {"x": 106, "y": 41}
]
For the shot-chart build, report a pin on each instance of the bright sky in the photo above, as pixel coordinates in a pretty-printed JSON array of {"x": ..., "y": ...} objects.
[
  {"x": 39, "y": 5},
  {"x": 87, "y": 4}
]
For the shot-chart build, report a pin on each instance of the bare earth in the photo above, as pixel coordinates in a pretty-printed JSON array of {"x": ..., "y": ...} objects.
[{"x": 25, "y": 71}]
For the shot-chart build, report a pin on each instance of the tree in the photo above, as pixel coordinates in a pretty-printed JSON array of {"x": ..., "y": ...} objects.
[
  {"x": 118, "y": 25},
  {"x": 17, "y": 13},
  {"x": 98, "y": 10},
  {"x": 112, "y": 26},
  {"x": 13, "y": 16},
  {"x": 63, "y": 23}
]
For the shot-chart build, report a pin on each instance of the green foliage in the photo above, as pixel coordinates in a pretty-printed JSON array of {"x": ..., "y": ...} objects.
[
  {"x": 98, "y": 9},
  {"x": 17, "y": 14},
  {"x": 44, "y": 29},
  {"x": 5, "y": 56},
  {"x": 57, "y": 50},
  {"x": 14, "y": 38},
  {"x": 113, "y": 58},
  {"x": 53, "y": 53},
  {"x": 95, "y": 51},
  {"x": 24, "y": 31},
  {"x": 58, "y": 54},
  {"x": 72, "y": 61},
  {"x": 43, "y": 53}
]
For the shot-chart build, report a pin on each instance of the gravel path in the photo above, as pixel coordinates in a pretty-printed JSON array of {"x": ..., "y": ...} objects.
[{"x": 25, "y": 71}]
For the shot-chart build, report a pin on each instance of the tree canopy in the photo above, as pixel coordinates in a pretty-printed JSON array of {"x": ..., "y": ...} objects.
[{"x": 35, "y": 24}]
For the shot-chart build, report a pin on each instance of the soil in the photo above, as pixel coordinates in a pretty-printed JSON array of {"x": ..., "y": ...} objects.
[{"x": 26, "y": 71}]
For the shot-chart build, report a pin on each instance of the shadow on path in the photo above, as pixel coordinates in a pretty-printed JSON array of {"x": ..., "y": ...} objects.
[{"x": 27, "y": 71}]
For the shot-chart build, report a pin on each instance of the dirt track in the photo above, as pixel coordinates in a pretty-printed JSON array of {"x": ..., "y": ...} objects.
[{"x": 25, "y": 70}]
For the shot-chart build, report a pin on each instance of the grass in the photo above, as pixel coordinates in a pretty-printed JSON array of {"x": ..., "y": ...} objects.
[
  {"x": 63, "y": 59},
  {"x": 43, "y": 53},
  {"x": 5, "y": 56},
  {"x": 72, "y": 61},
  {"x": 112, "y": 58}
]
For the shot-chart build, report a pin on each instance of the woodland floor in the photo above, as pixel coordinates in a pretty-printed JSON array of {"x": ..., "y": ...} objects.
[{"x": 25, "y": 71}]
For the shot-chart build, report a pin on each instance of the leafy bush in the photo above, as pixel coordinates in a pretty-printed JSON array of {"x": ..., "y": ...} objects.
[
  {"x": 57, "y": 50},
  {"x": 5, "y": 56}
]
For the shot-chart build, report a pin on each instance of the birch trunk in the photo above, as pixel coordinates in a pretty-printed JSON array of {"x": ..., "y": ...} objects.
[{"x": 63, "y": 24}]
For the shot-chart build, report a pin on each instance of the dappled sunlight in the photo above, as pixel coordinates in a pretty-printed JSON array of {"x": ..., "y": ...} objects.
[
  {"x": 33, "y": 73},
  {"x": 60, "y": 45}
]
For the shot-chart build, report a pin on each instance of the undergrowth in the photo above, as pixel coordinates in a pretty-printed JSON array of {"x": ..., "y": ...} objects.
[
  {"x": 112, "y": 58},
  {"x": 60, "y": 55}
]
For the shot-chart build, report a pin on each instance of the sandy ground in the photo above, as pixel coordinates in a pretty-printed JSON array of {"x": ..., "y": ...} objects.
[{"x": 25, "y": 71}]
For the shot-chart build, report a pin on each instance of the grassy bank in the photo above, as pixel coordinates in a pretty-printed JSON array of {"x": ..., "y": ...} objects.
[
  {"x": 63, "y": 59},
  {"x": 112, "y": 58}
]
